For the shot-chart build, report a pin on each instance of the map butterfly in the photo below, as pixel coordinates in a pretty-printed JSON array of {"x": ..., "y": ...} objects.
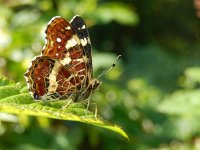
[{"x": 64, "y": 69}]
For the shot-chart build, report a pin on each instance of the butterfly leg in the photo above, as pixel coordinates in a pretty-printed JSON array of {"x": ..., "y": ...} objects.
[
  {"x": 89, "y": 103},
  {"x": 70, "y": 101},
  {"x": 70, "y": 98},
  {"x": 65, "y": 106},
  {"x": 96, "y": 112}
]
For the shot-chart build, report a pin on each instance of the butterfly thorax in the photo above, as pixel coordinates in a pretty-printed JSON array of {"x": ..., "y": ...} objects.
[{"x": 94, "y": 83}]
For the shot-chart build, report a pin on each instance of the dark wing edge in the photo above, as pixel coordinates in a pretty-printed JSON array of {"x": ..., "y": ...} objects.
[{"x": 80, "y": 28}]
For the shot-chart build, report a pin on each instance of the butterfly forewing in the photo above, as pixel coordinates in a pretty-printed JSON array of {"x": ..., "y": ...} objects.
[
  {"x": 80, "y": 28},
  {"x": 56, "y": 37}
]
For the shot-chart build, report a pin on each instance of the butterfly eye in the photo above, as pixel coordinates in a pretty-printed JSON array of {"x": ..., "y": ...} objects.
[
  {"x": 36, "y": 96},
  {"x": 95, "y": 84}
]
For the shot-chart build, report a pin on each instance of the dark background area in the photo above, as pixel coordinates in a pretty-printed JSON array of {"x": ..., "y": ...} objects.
[{"x": 153, "y": 92}]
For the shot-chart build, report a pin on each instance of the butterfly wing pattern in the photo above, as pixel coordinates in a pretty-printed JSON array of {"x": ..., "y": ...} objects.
[{"x": 64, "y": 69}]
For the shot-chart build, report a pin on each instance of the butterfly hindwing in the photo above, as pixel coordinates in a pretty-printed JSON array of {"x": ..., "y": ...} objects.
[{"x": 49, "y": 79}]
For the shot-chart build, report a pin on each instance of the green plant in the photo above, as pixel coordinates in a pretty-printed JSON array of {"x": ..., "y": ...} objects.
[{"x": 15, "y": 99}]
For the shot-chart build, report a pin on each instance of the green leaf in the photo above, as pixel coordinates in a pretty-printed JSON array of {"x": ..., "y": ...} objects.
[
  {"x": 191, "y": 77},
  {"x": 14, "y": 98},
  {"x": 185, "y": 103},
  {"x": 119, "y": 12},
  {"x": 4, "y": 81},
  {"x": 183, "y": 108}
]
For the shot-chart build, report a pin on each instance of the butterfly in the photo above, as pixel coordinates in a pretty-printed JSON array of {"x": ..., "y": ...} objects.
[{"x": 64, "y": 68}]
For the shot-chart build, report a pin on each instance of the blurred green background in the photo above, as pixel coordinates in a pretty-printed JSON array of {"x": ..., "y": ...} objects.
[{"x": 153, "y": 92}]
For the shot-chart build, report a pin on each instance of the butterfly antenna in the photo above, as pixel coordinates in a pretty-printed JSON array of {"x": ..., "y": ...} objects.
[{"x": 111, "y": 67}]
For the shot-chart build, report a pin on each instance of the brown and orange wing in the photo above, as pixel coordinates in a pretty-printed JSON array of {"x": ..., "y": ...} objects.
[
  {"x": 48, "y": 79},
  {"x": 80, "y": 28}
]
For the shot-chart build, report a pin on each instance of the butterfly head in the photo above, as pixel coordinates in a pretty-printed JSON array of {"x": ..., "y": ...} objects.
[{"x": 95, "y": 83}]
